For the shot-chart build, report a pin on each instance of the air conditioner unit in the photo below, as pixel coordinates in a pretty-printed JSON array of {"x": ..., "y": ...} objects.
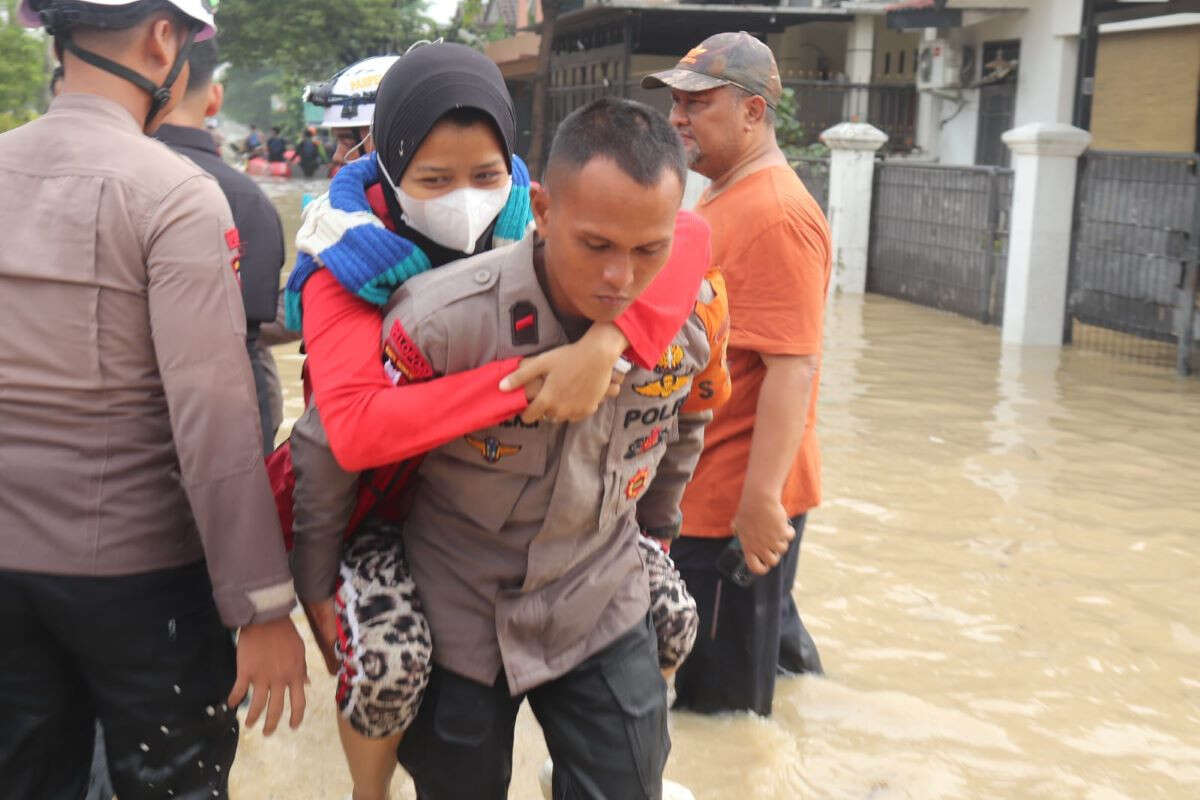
[{"x": 939, "y": 65}]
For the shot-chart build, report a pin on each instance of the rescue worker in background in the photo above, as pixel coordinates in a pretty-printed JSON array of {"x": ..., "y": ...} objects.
[
  {"x": 524, "y": 537},
  {"x": 276, "y": 146},
  {"x": 760, "y": 472},
  {"x": 136, "y": 522},
  {"x": 253, "y": 146},
  {"x": 310, "y": 152},
  {"x": 259, "y": 228},
  {"x": 349, "y": 102}
]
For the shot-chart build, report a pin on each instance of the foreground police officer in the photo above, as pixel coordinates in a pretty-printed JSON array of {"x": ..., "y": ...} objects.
[
  {"x": 523, "y": 537},
  {"x": 259, "y": 230},
  {"x": 132, "y": 489}
]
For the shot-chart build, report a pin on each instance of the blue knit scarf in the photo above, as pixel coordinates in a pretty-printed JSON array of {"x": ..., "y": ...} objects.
[{"x": 341, "y": 233}]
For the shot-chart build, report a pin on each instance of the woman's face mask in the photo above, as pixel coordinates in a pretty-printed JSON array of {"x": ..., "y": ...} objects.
[{"x": 455, "y": 185}]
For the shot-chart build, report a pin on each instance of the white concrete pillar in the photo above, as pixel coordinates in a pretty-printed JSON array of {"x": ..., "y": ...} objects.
[
  {"x": 929, "y": 115},
  {"x": 1045, "y": 160},
  {"x": 860, "y": 55},
  {"x": 852, "y": 148}
]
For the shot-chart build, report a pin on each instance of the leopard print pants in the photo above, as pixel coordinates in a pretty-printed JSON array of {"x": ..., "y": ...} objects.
[{"x": 384, "y": 647}]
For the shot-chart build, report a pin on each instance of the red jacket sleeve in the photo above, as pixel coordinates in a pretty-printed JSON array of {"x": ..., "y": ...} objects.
[
  {"x": 657, "y": 315},
  {"x": 369, "y": 421}
]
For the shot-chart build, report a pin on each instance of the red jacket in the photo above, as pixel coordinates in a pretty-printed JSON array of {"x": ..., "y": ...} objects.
[{"x": 371, "y": 423}]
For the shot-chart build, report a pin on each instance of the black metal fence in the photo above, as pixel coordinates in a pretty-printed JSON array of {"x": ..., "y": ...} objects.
[
  {"x": 939, "y": 236},
  {"x": 1134, "y": 256},
  {"x": 815, "y": 174},
  {"x": 891, "y": 108}
]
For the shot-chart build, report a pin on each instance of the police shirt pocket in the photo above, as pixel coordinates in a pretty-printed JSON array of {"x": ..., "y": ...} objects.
[{"x": 490, "y": 469}]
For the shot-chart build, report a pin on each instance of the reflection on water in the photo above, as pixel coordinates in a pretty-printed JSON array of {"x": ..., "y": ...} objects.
[{"x": 1003, "y": 580}]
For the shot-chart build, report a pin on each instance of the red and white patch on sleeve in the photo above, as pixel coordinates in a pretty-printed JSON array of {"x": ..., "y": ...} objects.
[
  {"x": 402, "y": 360},
  {"x": 233, "y": 241}
]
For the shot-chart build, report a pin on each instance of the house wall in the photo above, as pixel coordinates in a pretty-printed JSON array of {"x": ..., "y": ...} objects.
[
  {"x": 1147, "y": 86},
  {"x": 894, "y": 49},
  {"x": 1049, "y": 34},
  {"x": 801, "y": 50}
]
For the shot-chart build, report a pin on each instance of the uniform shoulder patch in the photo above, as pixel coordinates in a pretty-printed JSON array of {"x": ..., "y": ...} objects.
[
  {"x": 402, "y": 360},
  {"x": 233, "y": 240}
]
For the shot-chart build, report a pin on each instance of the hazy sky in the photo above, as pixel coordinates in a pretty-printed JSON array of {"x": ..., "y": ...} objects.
[{"x": 442, "y": 10}]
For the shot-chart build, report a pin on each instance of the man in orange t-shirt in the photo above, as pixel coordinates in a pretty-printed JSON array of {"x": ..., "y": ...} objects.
[{"x": 760, "y": 470}]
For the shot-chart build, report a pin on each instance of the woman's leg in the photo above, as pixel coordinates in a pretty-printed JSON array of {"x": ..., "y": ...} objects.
[
  {"x": 672, "y": 608},
  {"x": 372, "y": 761},
  {"x": 384, "y": 655}
]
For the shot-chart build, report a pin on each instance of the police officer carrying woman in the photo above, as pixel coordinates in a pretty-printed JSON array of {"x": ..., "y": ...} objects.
[{"x": 442, "y": 184}]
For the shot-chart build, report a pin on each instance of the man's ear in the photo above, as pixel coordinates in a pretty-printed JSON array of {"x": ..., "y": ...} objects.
[
  {"x": 161, "y": 46},
  {"x": 216, "y": 96},
  {"x": 754, "y": 109},
  {"x": 539, "y": 200}
]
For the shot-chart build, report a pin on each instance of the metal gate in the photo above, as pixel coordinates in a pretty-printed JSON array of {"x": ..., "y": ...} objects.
[
  {"x": 939, "y": 236},
  {"x": 1134, "y": 256}
]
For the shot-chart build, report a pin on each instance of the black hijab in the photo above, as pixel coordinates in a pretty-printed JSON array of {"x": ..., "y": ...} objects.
[{"x": 417, "y": 91}]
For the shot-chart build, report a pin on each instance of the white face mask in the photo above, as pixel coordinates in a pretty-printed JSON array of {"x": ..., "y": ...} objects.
[{"x": 456, "y": 219}]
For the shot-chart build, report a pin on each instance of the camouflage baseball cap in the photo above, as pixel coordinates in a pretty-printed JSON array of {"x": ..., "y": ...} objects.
[{"x": 722, "y": 59}]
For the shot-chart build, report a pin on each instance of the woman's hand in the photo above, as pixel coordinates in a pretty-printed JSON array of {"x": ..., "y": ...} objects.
[{"x": 569, "y": 383}]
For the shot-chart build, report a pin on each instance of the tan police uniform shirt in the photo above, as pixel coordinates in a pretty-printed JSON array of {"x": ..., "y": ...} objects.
[
  {"x": 523, "y": 538},
  {"x": 128, "y": 421}
]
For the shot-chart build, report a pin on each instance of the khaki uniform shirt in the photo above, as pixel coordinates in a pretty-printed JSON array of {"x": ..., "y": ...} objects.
[
  {"x": 128, "y": 421},
  {"x": 523, "y": 538}
]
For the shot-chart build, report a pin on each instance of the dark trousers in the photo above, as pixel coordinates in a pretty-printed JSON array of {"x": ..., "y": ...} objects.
[
  {"x": 605, "y": 724},
  {"x": 146, "y": 655},
  {"x": 747, "y": 635}
]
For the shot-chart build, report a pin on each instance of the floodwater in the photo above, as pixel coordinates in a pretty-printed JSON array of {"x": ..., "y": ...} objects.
[{"x": 1003, "y": 580}]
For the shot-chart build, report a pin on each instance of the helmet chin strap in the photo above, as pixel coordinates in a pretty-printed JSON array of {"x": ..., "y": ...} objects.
[{"x": 159, "y": 95}]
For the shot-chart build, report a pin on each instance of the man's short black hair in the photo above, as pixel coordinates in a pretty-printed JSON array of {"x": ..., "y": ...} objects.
[
  {"x": 202, "y": 62},
  {"x": 634, "y": 135},
  {"x": 274, "y": 129}
]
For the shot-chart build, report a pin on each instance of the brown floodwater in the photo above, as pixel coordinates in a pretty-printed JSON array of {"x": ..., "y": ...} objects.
[{"x": 1003, "y": 580}]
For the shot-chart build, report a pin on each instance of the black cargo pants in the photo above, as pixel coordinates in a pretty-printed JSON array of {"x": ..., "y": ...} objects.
[
  {"x": 605, "y": 724},
  {"x": 144, "y": 654}
]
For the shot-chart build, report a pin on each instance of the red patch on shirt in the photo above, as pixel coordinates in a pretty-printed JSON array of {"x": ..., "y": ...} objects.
[
  {"x": 402, "y": 360},
  {"x": 637, "y": 484},
  {"x": 234, "y": 241}
]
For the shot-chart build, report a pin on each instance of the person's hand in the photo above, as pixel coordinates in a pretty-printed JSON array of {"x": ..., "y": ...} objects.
[
  {"x": 576, "y": 378},
  {"x": 761, "y": 523},
  {"x": 270, "y": 658},
  {"x": 322, "y": 618}
]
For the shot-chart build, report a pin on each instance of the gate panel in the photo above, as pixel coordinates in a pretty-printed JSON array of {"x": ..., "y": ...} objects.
[
  {"x": 939, "y": 236},
  {"x": 1135, "y": 237}
]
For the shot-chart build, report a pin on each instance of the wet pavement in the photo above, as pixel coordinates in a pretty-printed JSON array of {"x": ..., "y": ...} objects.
[{"x": 1003, "y": 580}]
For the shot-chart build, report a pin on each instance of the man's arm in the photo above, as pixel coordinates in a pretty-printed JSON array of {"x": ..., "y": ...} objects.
[
  {"x": 198, "y": 326},
  {"x": 658, "y": 509},
  {"x": 761, "y": 521}
]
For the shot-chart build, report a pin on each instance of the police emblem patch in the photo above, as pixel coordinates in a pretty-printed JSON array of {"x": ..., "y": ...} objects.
[
  {"x": 402, "y": 361},
  {"x": 671, "y": 359},
  {"x": 644, "y": 444},
  {"x": 637, "y": 484},
  {"x": 491, "y": 448},
  {"x": 665, "y": 386}
]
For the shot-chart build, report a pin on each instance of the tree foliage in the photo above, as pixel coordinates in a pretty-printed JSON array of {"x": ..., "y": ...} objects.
[
  {"x": 308, "y": 40},
  {"x": 794, "y": 138},
  {"x": 22, "y": 72}
]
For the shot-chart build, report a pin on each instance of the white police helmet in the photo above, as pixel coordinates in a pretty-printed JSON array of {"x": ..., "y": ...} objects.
[
  {"x": 349, "y": 96},
  {"x": 112, "y": 13}
]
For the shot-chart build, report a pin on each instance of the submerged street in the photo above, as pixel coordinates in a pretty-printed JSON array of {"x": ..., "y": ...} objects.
[{"x": 1002, "y": 580}]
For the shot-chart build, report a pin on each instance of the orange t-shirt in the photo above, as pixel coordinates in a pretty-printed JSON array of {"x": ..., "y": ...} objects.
[{"x": 771, "y": 242}]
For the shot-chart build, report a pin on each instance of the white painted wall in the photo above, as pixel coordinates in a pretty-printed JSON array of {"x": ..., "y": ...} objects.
[{"x": 1048, "y": 31}]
